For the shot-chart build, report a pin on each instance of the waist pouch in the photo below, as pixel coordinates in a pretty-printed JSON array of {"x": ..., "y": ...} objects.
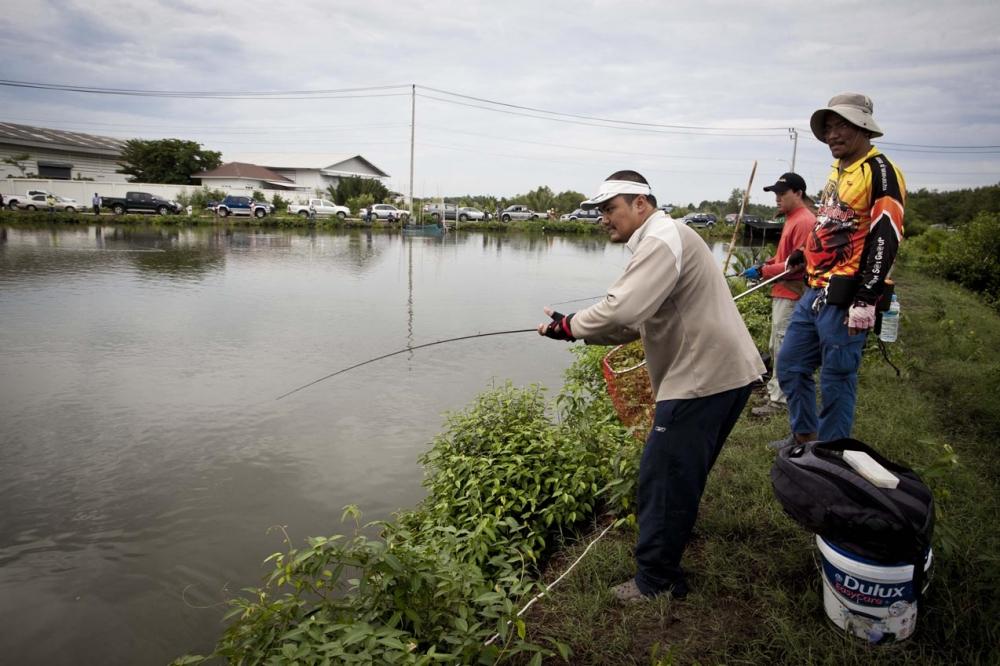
[
  {"x": 841, "y": 290},
  {"x": 797, "y": 287}
]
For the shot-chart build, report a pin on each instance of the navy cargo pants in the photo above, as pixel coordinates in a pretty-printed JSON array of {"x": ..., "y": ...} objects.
[{"x": 682, "y": 447}]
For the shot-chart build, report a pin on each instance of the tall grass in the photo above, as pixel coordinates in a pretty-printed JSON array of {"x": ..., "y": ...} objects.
[{"x": 757, "y": 596}]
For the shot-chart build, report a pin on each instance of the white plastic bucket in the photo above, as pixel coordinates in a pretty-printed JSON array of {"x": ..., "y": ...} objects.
[{"x": 871, "y": 601}]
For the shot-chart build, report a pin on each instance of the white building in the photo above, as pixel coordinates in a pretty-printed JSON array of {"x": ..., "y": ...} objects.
[
  {"x": 58, "y": 155},
  {"x": 245, "y": 176},
  {"x": 315, "y": 173}
]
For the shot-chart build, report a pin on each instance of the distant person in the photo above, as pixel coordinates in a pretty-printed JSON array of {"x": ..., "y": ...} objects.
[
  {"x": 789, "y": 192},
  {"x": 50, "y": 201},
  {"x": 96, "y": 203},
  {"x": 1, "y": 200},
  {"x": 701, "y": 362},
  {"x": 859, "y": 225}
]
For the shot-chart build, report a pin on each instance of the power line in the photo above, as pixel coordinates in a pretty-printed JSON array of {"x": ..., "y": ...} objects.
[
  {"x": 594, "y": 124},
  {"x": 198, "y": 94},
  {"x": 595, "y": 118},
  {"x": 507, "y": 107},
  {"x": 591, "y": 150}
]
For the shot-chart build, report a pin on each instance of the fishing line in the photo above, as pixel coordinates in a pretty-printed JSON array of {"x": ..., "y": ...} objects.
[{"x": 401, "y": 351}]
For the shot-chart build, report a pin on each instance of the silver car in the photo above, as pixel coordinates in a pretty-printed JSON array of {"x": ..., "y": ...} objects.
[
  {"x": 38, "y": 202},
  {"x": 518, "y": 212},
  {"x": 385, "y": 211}
]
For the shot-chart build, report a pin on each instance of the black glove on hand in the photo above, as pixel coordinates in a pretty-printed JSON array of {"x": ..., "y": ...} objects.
[
  {"x": 795, "y": 259},
  {"x": 558, "y": 328}
]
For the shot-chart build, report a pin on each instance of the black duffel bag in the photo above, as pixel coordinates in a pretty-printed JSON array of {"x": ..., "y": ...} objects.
[{"x": 824, "y": 494}]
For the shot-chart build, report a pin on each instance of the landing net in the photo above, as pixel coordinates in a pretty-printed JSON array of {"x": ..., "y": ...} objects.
[{"x": 624, "y": 369}]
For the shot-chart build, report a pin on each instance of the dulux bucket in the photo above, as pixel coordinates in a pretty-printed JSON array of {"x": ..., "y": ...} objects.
[{"x": 870, "y": 600}]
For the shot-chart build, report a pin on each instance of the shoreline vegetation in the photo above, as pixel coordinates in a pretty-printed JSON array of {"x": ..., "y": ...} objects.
[
  {"x": 36, "y": 218},
  {"x": 518, "y": 485}
]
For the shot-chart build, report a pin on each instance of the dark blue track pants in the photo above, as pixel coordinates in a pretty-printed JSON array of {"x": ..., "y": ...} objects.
[{"x": 685, "y": 441}]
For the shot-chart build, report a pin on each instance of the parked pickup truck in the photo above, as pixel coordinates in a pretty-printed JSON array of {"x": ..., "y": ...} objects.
[
  {"x": 237, "y": 205},
  {"x": 322, "y": 207},
  {"x": 140, "y": 202},
  {"x": 13, "y": 201}
]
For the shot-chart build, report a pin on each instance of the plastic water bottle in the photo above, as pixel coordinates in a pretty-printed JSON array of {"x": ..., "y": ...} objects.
[{"x": 890, "y": 322}]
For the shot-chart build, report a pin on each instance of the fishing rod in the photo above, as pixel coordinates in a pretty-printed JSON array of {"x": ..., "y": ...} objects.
[
  {"x": 478, "y": 335},
  {"x": 763, "y": 284},
  {"x": 735, "y": 298},
  {"x": 401, "y": 351}
]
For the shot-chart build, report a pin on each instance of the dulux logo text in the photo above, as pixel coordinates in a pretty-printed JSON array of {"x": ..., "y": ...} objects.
[{"x": 872, "y": 589}]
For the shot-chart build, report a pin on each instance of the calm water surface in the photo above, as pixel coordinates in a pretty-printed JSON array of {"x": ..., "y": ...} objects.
[{"x": 143, "y": 456}]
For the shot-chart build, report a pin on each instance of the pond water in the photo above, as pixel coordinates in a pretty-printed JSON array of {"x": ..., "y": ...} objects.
[{"x": 143, "y": 455}]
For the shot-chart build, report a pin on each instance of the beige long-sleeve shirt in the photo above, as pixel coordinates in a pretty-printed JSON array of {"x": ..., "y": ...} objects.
[{"x": 673, "y": 295}]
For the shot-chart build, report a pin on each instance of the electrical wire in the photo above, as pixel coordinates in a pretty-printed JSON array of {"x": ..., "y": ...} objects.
[{"x": 595, "y": 118}]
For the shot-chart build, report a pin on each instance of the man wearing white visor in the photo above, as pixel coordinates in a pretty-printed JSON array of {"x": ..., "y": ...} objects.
[{"x": 701, "y": 363}]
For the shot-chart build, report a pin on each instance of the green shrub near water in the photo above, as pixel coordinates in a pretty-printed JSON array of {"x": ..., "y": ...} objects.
[
  {"x": 971, "y": 256},
  {"x": 504, "y": 483}
]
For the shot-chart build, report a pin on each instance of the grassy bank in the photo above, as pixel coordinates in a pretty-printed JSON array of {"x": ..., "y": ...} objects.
[{"x": 757, "y": 595}]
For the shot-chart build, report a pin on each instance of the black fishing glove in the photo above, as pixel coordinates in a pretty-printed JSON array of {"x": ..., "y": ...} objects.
[
  {"x": 558, "y": 328},
  {"x": 795, "y": 259}
]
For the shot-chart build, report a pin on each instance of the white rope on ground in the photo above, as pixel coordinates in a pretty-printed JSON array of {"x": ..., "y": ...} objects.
[{"x": 556, "y": 581}]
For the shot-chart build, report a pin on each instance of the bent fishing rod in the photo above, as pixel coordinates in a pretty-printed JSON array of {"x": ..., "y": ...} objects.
[
  {"x": 401, "y": 351},
  {"x": 469, "y": 337},
  {"x": 735, "y": 298}
]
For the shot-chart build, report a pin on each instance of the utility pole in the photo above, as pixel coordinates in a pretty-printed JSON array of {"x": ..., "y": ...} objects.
[
  {"x": 793, "y": 134},
  {"x": 413, "y": 125}
]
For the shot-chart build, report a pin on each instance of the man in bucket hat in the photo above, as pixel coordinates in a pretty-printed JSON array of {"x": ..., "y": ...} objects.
[
  {"x": 701, "y": 362},
  {"x": 859, "y": 225}
]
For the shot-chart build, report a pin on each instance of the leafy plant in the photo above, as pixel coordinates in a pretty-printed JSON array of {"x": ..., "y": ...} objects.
[{"x": 971, "y": 256}]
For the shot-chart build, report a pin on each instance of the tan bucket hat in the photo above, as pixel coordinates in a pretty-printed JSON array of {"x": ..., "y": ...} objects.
[{"x": 855, "y": 108}]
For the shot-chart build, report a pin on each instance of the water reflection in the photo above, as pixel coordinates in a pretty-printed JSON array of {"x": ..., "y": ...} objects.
[{"x": 142, "y": 454}]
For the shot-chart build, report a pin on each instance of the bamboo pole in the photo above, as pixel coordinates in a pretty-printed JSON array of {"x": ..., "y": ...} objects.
[{"x": 739, "y": 218}]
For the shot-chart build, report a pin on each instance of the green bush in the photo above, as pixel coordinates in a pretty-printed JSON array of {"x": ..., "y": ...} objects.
[
  {"x": 199, "y": 199},
  {"x": 359, "y": 202},
  {"x": 971, "y": 256},
  {"x": 506, "y": 475},
  {"x": 503, "y": 483}
]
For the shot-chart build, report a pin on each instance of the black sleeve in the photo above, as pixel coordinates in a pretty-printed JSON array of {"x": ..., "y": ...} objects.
[{"x": 882, "y": 241}]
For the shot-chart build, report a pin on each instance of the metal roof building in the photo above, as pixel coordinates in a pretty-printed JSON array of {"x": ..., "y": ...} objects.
[{"x": 58, "y": 154}]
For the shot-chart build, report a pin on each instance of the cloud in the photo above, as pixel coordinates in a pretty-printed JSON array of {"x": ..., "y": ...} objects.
[{"x": 930, "y": 70}]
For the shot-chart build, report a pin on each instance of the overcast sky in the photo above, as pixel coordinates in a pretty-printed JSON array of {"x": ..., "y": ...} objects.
[{"x": 729, "y": 67}]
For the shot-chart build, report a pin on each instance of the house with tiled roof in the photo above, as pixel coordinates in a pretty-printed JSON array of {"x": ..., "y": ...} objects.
[
  {"x": 245, "y": 176},
  {"x": 58, "y": 154},
  {"x": 316, "y": 172}
]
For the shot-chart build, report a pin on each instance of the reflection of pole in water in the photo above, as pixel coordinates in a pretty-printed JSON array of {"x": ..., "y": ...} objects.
[{"x": 409, "y": 297}]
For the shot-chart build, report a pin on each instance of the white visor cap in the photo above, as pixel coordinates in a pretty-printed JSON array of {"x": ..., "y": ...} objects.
[{"x": 612, "y": 188}]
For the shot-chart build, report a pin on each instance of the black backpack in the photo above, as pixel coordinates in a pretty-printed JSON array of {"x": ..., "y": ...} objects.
[{"x": 825, "y": 495}]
